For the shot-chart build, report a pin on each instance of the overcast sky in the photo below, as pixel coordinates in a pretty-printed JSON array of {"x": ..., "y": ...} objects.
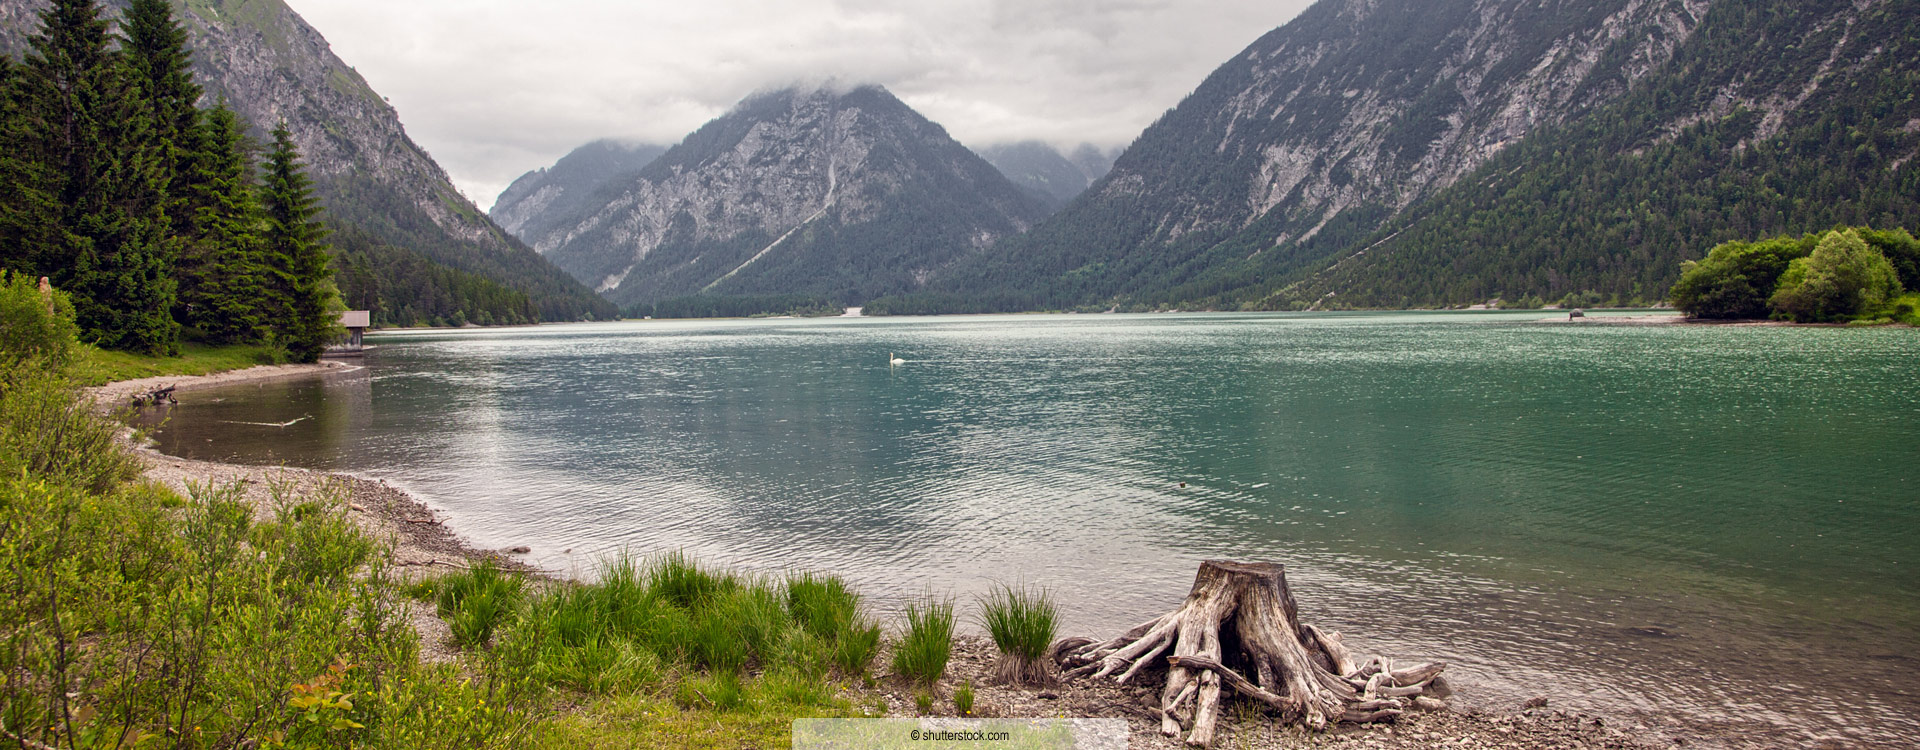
[{"x": 495, "y": 88}]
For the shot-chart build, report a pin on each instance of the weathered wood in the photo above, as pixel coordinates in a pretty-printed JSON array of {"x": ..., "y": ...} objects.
[{"x": 1306, "y": 675}]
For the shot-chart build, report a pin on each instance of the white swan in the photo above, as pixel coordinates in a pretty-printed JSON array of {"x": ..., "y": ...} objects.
[{"x": 893, "y": 360}]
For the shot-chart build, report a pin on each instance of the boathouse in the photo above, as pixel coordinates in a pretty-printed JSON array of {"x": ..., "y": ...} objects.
[{"x": 356, "y": 322}]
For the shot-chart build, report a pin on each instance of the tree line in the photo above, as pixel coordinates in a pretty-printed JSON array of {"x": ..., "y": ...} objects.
[
  {"x": 1842, "y": 275},
  {"x": 148, "y": 209}
]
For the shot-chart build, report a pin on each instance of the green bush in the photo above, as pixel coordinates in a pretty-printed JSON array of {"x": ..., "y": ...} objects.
[
  {"x": 1841, "y": 279},
  {"x": 921, "y": 656},
  {"x": 1735, "y": 279},
  {"x": 1022, "y": 622},
  {"x": 48, "y": 431},
  {"x": 34, "y": 326}
]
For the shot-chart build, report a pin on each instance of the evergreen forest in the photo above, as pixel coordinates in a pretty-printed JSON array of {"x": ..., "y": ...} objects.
[{"x": 148, "y": 209}]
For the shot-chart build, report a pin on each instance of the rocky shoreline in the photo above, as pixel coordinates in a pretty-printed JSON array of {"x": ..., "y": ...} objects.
[{"x": 421, "y": 546}]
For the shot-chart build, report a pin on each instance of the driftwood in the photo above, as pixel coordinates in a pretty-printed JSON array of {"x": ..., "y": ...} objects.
[
  {"x": 1239, "y": 630},
  {"x": 155, "y": 397}
]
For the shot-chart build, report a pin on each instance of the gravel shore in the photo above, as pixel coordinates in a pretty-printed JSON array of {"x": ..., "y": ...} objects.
[{"x": 421, "y": 546}]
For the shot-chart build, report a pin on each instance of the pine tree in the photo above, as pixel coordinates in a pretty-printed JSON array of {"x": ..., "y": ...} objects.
[
  {"x": 28, "y": 218},
  {"x": 88, "y": 134},
  {"x": 223, "y": 277},
  {"x": 156, "y": 51},
  {"x": 296, "y": 253}
]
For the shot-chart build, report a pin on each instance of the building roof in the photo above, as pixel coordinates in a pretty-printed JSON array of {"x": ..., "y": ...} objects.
[{"x": 356, "y": 318}]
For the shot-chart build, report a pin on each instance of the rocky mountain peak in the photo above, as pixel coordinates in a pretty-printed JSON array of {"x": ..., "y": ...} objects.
[{"x": 842, "y": 191}]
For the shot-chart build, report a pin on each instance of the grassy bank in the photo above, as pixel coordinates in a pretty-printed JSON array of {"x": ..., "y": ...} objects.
[{"x": 94, "y": 366}]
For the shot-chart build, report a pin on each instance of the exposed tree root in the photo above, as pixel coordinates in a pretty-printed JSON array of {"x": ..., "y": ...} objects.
[{"x": 1241, "y": 619}]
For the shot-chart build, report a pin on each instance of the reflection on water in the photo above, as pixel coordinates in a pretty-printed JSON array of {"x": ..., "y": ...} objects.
[{"x": 1680, "y": 523}]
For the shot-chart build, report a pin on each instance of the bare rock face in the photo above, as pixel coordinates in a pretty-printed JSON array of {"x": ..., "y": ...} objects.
[
  {"x": 1355, "y": 107},
  {"x": 269, "y": 66},
  {"x": 847, "y": 194},
  {"x": 540, "y": 199}
]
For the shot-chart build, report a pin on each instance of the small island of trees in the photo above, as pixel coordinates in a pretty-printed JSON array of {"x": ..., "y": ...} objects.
[{"x": 1840, "y": 276}]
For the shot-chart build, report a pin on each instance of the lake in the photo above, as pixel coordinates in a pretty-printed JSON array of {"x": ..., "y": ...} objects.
[{"x": 1673, "y": 524}]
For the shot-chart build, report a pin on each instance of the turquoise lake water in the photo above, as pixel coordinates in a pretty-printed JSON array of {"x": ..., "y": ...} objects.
[{"x": 1676, "y": 525}]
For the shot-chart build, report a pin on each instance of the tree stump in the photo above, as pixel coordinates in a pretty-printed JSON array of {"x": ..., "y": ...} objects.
[{"x": 1240, "y": 619}]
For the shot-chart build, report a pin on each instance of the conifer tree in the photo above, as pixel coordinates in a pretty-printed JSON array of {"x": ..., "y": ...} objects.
[
  {"x": 156, "y": 52},
  {"x": 223, "y": 278},
  {"x": 27, "y": 216},
  {"x": 296, "y": 254},
  {"x": 88, "y": 135}
]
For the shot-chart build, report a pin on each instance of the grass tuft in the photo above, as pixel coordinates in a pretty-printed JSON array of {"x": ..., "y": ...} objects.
[
  {"x": 963, "y": 699},
  {"x": 829, "y": 615},
  {"x": 1022, "y": 622},
  {"x": 676, "y": 577},
  {"x": 928, "y": 641},
  {"x": 477, "y": 601}
]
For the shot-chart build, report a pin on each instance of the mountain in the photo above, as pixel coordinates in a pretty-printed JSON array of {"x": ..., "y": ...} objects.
[
  {"x": 269, "y": 65},
  {"x": 842, "y": 194},
  {"x": 1042, "y": 170},
  {"x": 538, "y": 200},
  {"x": 1432, "y": 152}
]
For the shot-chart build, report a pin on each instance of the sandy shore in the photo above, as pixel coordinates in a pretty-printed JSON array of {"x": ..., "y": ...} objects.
[{"x": 421, "y": 546}]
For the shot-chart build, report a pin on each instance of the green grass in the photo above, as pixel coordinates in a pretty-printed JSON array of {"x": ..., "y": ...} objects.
[
  {"x": 761, "y": 716},
  {"x": 829, "y": 614},
  {"x": 477, "y": 601},
  {"x": 1022, "y": 622},
  {"x": 963, "y": 699},
  {"x": 99, "y": 366},
  {"x": 928, "y": 641}
]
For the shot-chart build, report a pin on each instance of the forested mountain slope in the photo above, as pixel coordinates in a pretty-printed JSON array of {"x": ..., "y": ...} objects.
[
  {"x": 842, "y": 194},
  {"x": 1777, "y": 118},
  {"x": 269, "y": 65},
  {"x": 1389, "y": 153}
]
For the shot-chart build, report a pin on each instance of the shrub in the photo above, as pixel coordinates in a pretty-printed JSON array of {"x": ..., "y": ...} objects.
[
  {"x": 1735, "y": 279},
  {"x": 1022, "y": 622},
  {"x": 928, "y": 641},
  {"x": 47, "y": 430},
  {"x": 35, "y": 326},
  {"x": 1842, "y": 278}
]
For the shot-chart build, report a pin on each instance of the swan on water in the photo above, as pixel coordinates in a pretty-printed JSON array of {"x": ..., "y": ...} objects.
[{"x": 893, "y": 360}]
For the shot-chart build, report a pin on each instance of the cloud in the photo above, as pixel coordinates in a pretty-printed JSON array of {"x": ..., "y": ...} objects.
[{"x": 494, "y": 88}]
